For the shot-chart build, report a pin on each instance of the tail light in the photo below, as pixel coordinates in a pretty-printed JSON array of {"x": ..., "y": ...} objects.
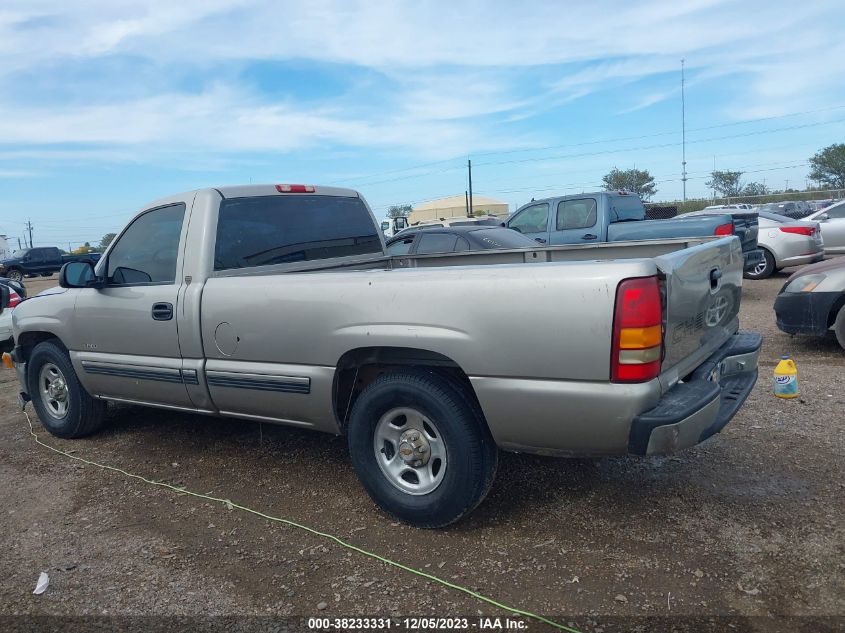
[
  {"x": 14, "y": 298},
  {"x": 637, "y": 331},
  {"x": 724, "y": 229},
  {"x": 295, "y": 188},
  {"x": 809, "y": 231}
]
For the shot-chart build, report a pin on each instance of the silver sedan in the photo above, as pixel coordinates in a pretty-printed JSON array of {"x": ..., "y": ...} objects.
[
  {"x": 785, "y": 242},
  {"x": 832, "y": 223}
]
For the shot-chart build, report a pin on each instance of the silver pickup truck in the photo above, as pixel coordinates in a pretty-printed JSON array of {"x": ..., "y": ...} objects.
[{"x": 277, "y": 303}]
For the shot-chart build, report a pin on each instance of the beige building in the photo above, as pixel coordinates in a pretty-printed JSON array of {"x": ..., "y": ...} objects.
[{"x": 456, "y": 207}]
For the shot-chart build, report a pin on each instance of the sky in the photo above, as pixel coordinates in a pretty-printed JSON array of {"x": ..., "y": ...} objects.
[{"x": 106, "y": 105}]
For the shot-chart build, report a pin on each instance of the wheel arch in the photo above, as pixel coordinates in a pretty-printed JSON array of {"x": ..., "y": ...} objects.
[
  {"x": 28, "y": 340},
  {"x": 834, "y": 310},
  {"x": 359, "y": 367}
]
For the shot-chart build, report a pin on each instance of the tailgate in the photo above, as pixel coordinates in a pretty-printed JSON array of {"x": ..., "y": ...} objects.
[
  {"x": 745, "y": 228},
  {"x": 702, "y": 293}
]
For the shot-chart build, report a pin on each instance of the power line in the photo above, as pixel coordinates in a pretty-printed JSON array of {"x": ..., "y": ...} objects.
[{"x": 359, "y": 179}]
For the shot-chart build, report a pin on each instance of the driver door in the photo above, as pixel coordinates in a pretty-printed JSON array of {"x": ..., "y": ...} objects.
[
  {"x": 533, "y": 222},
  {"x": 127, "y": 331}
]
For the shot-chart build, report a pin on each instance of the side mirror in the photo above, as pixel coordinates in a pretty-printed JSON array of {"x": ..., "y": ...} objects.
[
  {"x": 4, "y": 297},
  {"x": 77, "y": 275}
]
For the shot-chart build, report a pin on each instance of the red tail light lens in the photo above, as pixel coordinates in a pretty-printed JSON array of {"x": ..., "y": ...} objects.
[
  {"x": 724, "y": 229},
  {"x": 799, "y": 230},
  {"x": 14, "y": 298},
  {"x": 637, "y": 347},
  {"x": 295, "y": 188}
]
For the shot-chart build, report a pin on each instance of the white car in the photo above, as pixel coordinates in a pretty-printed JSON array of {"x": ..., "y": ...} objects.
[
  {"x": 785, "y": 242},
  {"x": 6, "y": 339},
  {"x": 832, "y": 223}
]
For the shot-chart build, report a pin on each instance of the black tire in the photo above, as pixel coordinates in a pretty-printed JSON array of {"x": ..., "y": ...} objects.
[
  {"x": 839, "y": 327},
  {"x": 764, "y": 269},
  {"x": 472, "y": 456},
  {"x": 14, "y": 274},
  {"x": 46, "y": 274},
  {"x": 83, "y": 415}
]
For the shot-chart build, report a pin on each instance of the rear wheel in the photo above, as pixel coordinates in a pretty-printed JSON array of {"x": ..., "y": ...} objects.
[
  {"x": 764, "y": 268},
  {"x": 420, "y": 448},
  {"x": 62, "y": 404}
]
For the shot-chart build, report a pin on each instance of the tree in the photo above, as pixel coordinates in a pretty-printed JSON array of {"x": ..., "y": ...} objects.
[
  {"x": 727, "y": 183},
  {"x": 107, "y": 239},
  {"x": 638, "y": 181},
  {"x": 755, "y": 189},
  {"x": 828, "y": 166},
  {"x": 399, "y": 210}
]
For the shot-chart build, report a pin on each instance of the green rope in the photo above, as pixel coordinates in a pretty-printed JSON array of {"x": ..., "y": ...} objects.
[{"x": 230, "y": 504}]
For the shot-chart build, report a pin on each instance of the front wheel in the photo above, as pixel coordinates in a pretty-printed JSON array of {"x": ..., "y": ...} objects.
[
  {"x": 764, "y": 268},
  {"x": 14, "y": 274},
  {"x": 839, "y": 327},
  {"x": 421, "y": 448},
  {"x": 61, "y": 402}
]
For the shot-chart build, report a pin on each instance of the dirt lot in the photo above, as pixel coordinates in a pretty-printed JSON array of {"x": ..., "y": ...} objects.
[{"x": 748, "y": 524}]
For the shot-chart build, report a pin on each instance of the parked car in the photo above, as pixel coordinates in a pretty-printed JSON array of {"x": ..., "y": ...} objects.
[
  {"x": 391, "y": 226},
  {"x": 17, "y": 286},
  {"x": 484, "y": 220},
  {"x": 41, "y": 260},
  {"x": 832, "y": 224},
  {"x": 9, "y": 298},
  {"x": 454, "y": 239},
  {"x": 605, "y": 349},
  {"x": 813, "y": 301},
  {"x": 735, "y": 205},
  {"x": 607, "y": 216},
  {"x": 785, "y": 242},
  {"x": 787, "y": 209}
]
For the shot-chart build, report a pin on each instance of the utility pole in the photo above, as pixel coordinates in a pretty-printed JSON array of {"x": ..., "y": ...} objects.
[
  {"x": 466, "y": 200},
  {"x": 469, "y": 168},
  {"x": 29, "y": 228},
  {"x": 683, "y": 135},
  {"x": 19, "y": 243}
]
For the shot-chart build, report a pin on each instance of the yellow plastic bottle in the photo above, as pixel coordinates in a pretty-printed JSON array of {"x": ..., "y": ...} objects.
[{"x": 786, "y": 378}]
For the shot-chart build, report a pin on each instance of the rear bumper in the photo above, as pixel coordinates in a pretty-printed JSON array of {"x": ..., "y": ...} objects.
[
  {"x": 752, "y": 258},
  {"x": 692, "y": 411},
  {"x": 805, "y": 312}
]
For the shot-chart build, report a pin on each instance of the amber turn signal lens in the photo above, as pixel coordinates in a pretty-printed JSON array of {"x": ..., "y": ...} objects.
[{"x": 7, "y": 361}]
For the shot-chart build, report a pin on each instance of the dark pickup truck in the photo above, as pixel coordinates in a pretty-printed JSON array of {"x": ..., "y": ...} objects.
[{"x": 41, "y": 260}]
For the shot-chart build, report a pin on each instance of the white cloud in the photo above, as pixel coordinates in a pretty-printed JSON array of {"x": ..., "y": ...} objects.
[{"x": 451, "y": 75}]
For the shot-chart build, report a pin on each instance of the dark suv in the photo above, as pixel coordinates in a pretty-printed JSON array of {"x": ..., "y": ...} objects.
[{"x": 40, "y": 260}]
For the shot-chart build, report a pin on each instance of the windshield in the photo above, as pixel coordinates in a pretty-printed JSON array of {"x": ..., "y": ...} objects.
[
  {"x": 774, "y": 217},
  {"x": 21, "y": 252}
]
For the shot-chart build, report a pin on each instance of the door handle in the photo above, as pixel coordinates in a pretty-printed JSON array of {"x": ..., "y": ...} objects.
[
  {"x": 588, "y": 236},
  {"x": 539, "y": 240},
  {"x": 162, "y": 311}
]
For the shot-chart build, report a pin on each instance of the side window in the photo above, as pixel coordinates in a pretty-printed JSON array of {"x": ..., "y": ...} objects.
[
  {"x": 400, "y": 247},
  {"x": 148, "y": 249},
  {"x": 576, "y": 214},
  {"x": 436, "y": 243},
  {"x": 533, "y": 219},
  {"x": 385, "y": 225},
  {"x": 36, "y": 255},
  {"x": 461, "y": 245},
  {"x": 401, "y": 223}
]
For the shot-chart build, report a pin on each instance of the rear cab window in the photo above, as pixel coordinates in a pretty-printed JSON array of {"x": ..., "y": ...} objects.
[
  {"x": 626, "y": 208},
  {"x": 267, "y": 230},
  {"x": 576, "y": 214}
]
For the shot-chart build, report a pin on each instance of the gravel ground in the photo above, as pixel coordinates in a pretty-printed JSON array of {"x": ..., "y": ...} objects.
[{"x": 743, "y": 531}]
